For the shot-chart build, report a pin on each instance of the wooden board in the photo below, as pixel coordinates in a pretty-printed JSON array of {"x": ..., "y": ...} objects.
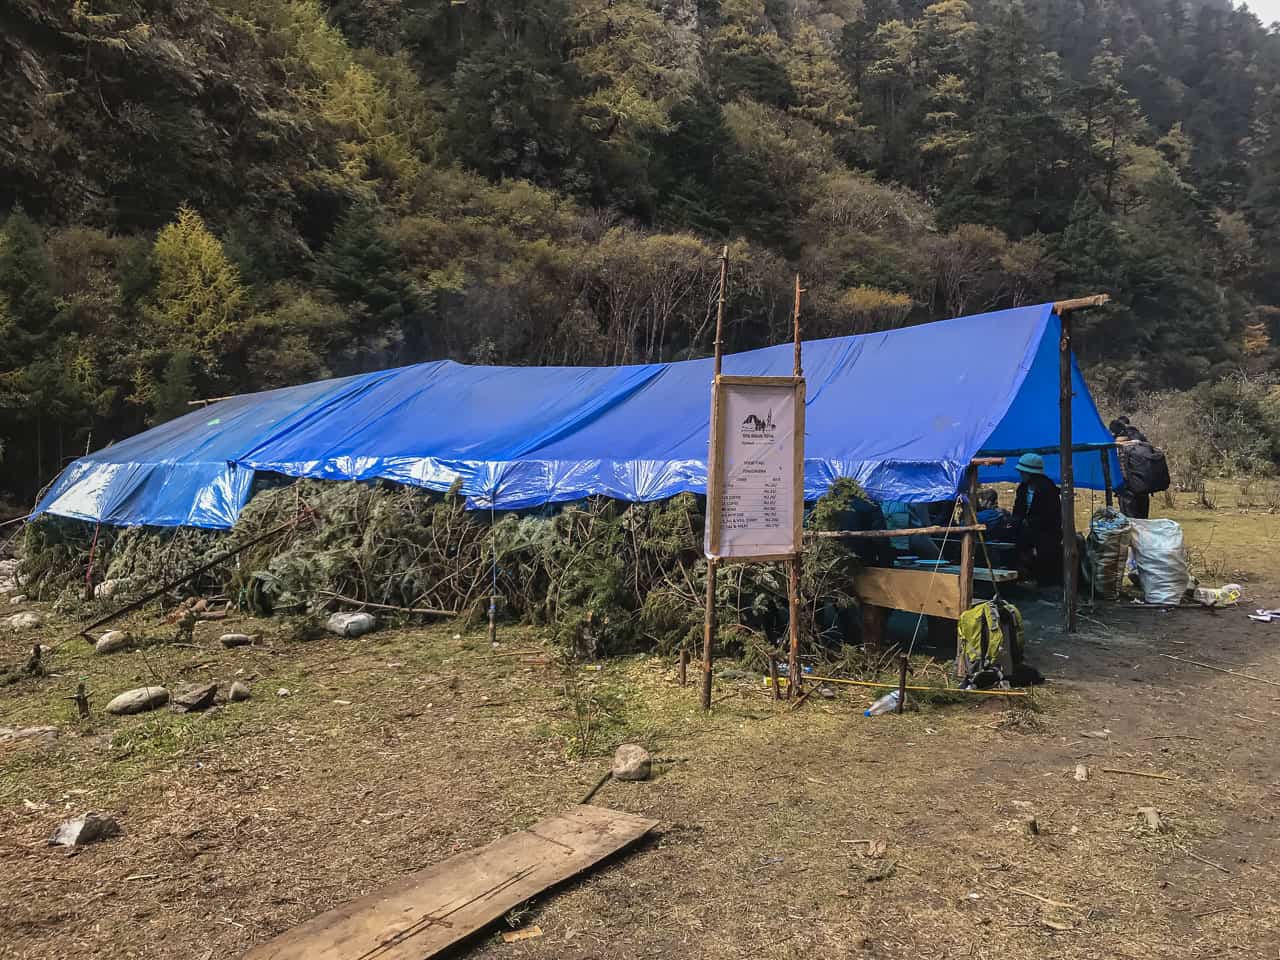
[
  {"x": 420, "y": 915},
  {"x": 920, "y": 591},
  {"x": 983, "y": 574}
]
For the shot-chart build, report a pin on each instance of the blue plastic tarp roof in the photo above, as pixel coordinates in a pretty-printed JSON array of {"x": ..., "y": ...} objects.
[{"x": 903, "y": 412}]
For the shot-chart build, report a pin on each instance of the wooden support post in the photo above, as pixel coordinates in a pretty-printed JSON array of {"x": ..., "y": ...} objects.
[
  {"x": 1106, "y": 475},
  {"x": 902, "y": 682},
  {"x": 1069, "y": 562},
  {"x": 709, "y": 618},
  {"x": 793, "y": 627},
  {"x": 968, "y": 549},
  {"x": 82, "y": 701},
  {"x": 795, "y": 674},
  {"x": 708, "y": 633}
]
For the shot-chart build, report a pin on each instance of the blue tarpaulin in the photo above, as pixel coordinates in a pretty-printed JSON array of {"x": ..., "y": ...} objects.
[{"x": 903, "y": 412}]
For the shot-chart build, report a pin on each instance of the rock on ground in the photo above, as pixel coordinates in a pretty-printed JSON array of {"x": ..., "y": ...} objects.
[
  {"x": 18, "y": 599},
  {"x": 235, "y": 640},
  {"x": 24, "y": 621},
  {"x": 632, "y": 762},
  {"x": 351, "y": 624},
  {"x": 86, "y": 828},
  {"x": 191, "y": 697},
  {"x": 239, "y": 691},
  {"x": 138, "y": 701},
  {"x": 113, "y": 640}
]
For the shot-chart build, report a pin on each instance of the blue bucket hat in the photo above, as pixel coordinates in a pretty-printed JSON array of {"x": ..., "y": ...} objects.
[{"x": 1031, "y": 463}]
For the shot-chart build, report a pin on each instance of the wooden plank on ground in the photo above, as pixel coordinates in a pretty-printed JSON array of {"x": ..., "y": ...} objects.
[
  {"x": 919, "y": 591},
  {"x": 418, "y": 916}
]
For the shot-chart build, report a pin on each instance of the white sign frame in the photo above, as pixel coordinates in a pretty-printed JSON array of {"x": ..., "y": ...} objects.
[{"x": 769, "y": 444}]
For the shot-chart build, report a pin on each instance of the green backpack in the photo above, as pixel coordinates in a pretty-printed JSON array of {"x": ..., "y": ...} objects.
[{"x": 990, "y": 636}]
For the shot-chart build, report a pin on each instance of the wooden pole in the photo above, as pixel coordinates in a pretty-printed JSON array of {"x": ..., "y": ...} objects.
[
  {"x": 793, "y": 565},
  {"x": 709, "y": 617},
  {"x": 968, "y": 550},
  {"x": 1069, "y": 563},
  {"x": 684, "y": 666},
  {"x": 1106, "y": 475},
  {"x": 902, "y": 682},
  {"x": 724, "y": 280},
  {"x": 899, "y": 532},
  {"x": 793, "y": 604}
]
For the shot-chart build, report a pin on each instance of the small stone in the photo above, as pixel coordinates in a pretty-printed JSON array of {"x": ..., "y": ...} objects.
[
  {"x": 20, "y": 598},
  {"x": 106, "y": 589},
  {"x": 138, "y": 701},
  {"x": 239, "y": 692},
  {"x": 282, "y": 692},
  {"x": 1152, "y": 816},
  {"x": 632, "y": 762},
  {"x": 731, "y": 673},
  {"x": 1082, "y": 772},
  {"x": 826, "y": 693},
  {"x": 113, "y": 640},
  {"x": 235, "y": 640},
  {"x": 1031, "y": 826},
  {"x": 86, "y": 828},
  {"x": 25, "y": 621},
  {"x": 351, "y": 624},
  {"x": 191, "y": 697}
]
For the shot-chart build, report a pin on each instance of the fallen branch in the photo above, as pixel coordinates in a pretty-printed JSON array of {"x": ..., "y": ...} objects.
[
  {"x": 599, "y": 783},
  {"x": 802, "y": 698},
  {"x": 1229, "y": 673},
  {"x": 161, "y": 591},
  {"x": 869, "y": 683},
  {"x": 1208, "y": 863},
  {"x": 1139, "y": 773},
  {"x": 428, "y": 611}
]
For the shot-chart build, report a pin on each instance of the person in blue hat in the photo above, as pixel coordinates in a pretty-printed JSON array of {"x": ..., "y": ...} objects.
[{"x": 1037, "y": 519}]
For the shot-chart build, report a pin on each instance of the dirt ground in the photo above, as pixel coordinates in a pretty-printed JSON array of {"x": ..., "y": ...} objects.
[{"x": 396, "y": 750}]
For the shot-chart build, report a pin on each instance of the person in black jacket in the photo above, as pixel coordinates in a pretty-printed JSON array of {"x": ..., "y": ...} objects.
[
  {"x": 1132, "y": 504},
  {"x": 1037, "y": 519}
]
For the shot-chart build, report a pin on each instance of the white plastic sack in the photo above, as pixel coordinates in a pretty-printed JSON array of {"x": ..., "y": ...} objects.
[{"x": 1161, "y": 559}]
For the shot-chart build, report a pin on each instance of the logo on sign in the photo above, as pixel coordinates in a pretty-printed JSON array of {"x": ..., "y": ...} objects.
[{"x": 753, "y": 427}]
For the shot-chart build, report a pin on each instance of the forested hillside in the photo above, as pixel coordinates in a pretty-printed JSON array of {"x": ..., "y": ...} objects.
[{"x": 203, "y": 197}]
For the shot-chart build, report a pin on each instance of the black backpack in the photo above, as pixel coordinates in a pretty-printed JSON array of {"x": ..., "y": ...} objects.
[{"x": 1145, "y": 468}]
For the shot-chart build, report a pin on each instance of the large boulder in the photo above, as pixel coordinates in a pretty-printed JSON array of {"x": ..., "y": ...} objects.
[
  {"x": 138, "y": 701},
  {"x": 631, "y": 762},
  {"x": 33, "y": 734}
]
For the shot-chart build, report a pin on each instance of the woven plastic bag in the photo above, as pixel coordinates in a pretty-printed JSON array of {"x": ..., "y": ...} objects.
[
  {"x": 1106, "y": 552},
  {"x": 1161, "y": 559}
]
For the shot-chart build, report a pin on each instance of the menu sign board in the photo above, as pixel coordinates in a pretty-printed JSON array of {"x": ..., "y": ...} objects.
[{"x": 755, "y": 483}]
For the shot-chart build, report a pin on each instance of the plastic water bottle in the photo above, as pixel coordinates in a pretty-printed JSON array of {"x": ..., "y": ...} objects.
[{"x": 886, "y": 704}]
